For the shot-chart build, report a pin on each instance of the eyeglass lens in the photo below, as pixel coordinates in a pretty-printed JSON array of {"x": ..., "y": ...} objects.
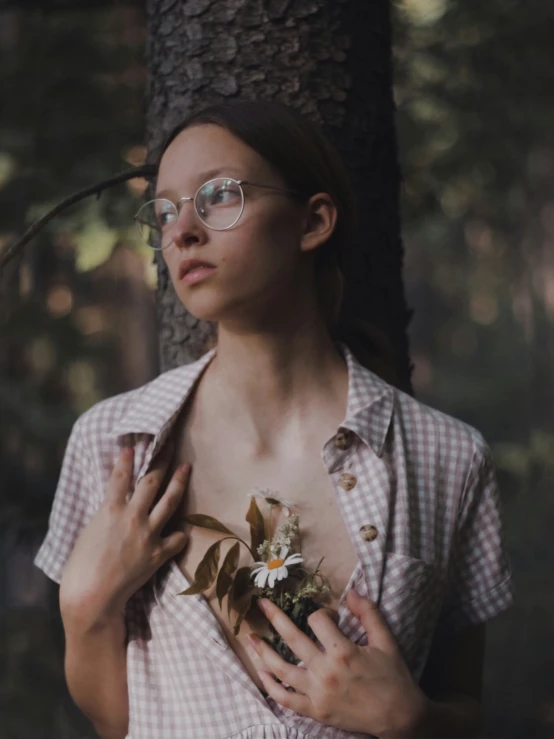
[{"x": 218, "y": 204}]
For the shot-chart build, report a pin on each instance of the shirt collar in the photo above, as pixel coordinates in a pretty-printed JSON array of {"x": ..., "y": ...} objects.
[{"x": 154, "y": 407}]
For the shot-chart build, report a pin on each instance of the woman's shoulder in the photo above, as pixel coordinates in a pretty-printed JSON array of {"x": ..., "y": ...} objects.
[
  {"x": 109, "y": 410},
  {"x": 424, "y": 432},
  {"x": 138, "y": 409},
  {"x": 434, "y": 418},
  {"x": 434, "y": 430},
  {"x": 421, "y": 426}
]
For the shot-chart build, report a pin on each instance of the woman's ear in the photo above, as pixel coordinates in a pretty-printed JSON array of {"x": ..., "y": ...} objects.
[{"x": 320, "y": 221}]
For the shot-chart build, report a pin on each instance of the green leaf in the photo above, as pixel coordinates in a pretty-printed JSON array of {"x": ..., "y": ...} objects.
[
  {"x": 257, "y": 525},
  {"x": 242, "y": 585},
  {"x": 205, "y": 572},
  {"x": 207, "y": 522},
  {"x": 225, "y": 577}
]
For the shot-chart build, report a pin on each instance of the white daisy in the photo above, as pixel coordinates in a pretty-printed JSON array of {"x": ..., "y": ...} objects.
[
  {"x": 272, "y": 498},
  {"x": 274, "y": 569}
]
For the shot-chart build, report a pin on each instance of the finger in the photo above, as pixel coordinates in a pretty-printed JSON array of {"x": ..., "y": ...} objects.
[
  {"x": 296, "y": 677},
  {"x": 170, "y": 499},
  {"x": 302, "y": 646},
  {"x": 172, "y": 545},
  {"x": 147, "y": 489},
  {"x": 326, "y": 630},
  {"x": 331, "y": 612},
  {"x": 287, "y": 698},
  {"x": 378, "y": 633},
  {"x": 121, "y": 477}
]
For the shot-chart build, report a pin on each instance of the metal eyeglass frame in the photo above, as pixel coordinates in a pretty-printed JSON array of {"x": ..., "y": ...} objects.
[{"x": 240, "y": 183}]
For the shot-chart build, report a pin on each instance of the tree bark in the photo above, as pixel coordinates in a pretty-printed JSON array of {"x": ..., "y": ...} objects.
[{"x": 329, "y": 59}]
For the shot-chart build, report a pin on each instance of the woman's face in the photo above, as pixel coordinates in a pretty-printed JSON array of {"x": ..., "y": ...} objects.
[{"x": 258, "y": 259}]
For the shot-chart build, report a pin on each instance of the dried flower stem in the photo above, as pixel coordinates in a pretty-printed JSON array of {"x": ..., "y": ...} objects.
[{"x": 241, "y": 541}]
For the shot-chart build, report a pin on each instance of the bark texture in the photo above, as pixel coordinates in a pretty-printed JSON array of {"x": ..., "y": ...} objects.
[{"x": 329, "y": 59}]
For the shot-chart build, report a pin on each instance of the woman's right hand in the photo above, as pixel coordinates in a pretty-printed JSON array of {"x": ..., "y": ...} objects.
[{"x": 122, "y": 547}]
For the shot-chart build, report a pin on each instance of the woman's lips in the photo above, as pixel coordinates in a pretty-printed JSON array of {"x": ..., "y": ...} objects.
[{"x": 196, "y": 274}]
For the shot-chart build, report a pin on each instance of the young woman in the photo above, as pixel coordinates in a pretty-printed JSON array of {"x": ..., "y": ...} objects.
[{"x": 251, "y": 211}]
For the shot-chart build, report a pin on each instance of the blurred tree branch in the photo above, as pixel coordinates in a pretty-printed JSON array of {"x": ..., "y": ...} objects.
[{"x": 146, "y": 170}]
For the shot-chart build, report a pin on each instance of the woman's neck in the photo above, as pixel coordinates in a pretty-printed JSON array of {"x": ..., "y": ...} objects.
[{"x": 276, "y": 388}]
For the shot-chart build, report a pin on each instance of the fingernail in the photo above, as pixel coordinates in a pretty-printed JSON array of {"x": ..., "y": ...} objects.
[
  {"x": 183, "y": 469},
  {"x": 263, "y": 604},
  {"x": 254, "y": 640},
  {"x": 127, "y": 452}
]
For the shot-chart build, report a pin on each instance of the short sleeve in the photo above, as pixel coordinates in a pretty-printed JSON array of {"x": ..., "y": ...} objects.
[
  {"x": 480, "y": 581},
  {"x": 70, "y": 509}
]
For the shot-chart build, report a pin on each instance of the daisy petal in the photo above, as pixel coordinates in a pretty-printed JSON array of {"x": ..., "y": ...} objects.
[
  {"x": 261, "y": 578},
  {"x": 272, "y": 578},
  {"x": 283, "y": 553},
  {"x": 282, "y": 573},
  {"x": 294, "y": 559}
]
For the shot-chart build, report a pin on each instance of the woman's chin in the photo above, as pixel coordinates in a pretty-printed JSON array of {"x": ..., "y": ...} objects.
[
  {"x": 203, "y": 308},
  {"x": 208, "y": 305}
]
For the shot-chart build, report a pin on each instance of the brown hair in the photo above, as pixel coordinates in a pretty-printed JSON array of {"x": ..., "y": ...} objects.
[{"x": 308, "y": 163}]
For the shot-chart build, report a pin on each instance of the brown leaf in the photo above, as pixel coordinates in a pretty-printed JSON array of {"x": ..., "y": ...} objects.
[
  {"x": 205, "y": 572},
  {"x": 207, "y": 522},
  {"x": 257, "y": 525},
  {"x": 242, "y": 584},
  {"x": 242, "y": 613},
  {"x": 225, "y": 577}
]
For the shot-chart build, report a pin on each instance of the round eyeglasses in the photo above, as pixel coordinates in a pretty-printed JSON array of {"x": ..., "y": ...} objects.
[{"x": 218, "y": 203}]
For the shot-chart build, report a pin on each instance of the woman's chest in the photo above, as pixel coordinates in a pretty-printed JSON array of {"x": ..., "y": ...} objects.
[{"x": 220, "y": 485}]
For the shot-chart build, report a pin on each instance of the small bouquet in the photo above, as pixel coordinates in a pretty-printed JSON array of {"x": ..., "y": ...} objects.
[{"x": 277, "y": 573}]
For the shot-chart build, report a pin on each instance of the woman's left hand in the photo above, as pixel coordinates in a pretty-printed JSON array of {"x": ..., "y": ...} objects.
[{"x": 365, "y": 689}]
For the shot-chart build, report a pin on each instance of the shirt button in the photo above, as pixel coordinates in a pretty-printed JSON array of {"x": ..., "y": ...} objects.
[
  {"x": 347, "y": 481},
  {"x": 343, "y": 439},
  {"x": 368, "y": 532}
]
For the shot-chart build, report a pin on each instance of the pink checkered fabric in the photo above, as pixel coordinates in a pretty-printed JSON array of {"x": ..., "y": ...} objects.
[{"x": 424, "y": 480}]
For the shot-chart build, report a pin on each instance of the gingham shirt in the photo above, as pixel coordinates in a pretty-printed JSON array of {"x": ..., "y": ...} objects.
[{"x": 417, "y": 491}]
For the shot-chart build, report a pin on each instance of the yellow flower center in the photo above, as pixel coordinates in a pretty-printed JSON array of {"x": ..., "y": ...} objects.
[{"x": 275, "y": 563}]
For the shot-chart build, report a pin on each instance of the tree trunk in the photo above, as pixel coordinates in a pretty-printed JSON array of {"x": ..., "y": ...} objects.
[{"x": 329, "y": 59}]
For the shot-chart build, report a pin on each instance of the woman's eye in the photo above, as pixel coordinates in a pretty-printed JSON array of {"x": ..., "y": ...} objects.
[
  {"x": 165, "y": 218},
  {"x": 223, "y": 195}
]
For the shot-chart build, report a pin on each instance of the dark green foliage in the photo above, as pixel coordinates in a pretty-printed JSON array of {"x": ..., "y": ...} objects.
[
  {"x": 71, "y": 87},
  {"x": 475, "y": 121}
]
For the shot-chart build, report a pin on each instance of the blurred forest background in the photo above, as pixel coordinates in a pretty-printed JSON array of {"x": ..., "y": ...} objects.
[{"x": 475, "y": 122}]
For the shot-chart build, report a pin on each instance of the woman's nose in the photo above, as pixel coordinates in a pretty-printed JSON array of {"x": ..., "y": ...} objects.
[{"x": 188, "y": 227}]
